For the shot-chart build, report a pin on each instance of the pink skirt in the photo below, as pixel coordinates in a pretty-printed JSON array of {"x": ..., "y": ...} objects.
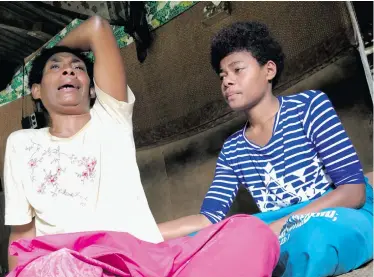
[{"x": 238, "y": 246}]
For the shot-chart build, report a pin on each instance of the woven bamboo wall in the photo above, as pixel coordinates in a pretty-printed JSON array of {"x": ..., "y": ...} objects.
[{"x": 10, "y": 121}]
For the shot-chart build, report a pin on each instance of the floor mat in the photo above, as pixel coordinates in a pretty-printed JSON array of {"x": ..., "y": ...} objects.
[{"x": 365, "y": 271}]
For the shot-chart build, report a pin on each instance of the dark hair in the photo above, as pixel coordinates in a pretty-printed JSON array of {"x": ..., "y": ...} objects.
[
  {"x": 253, "y": 37},
  {"x": 36, "y": 73}
]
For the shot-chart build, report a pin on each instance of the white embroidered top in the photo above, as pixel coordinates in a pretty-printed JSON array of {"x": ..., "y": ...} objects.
[{"x": 86, "y": 182}]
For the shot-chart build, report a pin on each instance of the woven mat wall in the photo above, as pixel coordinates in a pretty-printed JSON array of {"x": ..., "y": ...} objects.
[{"x": 177, "y": 91}]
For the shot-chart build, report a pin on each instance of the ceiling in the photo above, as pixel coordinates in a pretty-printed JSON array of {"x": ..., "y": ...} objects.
[{"x": 24, "y": 28}]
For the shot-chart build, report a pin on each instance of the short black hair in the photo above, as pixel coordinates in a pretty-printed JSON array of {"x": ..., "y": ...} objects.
[
  {"x": 36, "y": 72},
  {"x": 251, "y": 36}
]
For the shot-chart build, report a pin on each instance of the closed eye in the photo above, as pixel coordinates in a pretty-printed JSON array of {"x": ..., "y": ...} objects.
[
  {"x": 80, "y": 67},
  {"x": 237, "y": 70}
]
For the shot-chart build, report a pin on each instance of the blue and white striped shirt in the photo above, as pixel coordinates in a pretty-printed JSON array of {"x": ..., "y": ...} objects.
[{"x": 308, "y": 153}]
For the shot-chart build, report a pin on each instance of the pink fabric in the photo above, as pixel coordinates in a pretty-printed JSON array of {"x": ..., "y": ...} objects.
[{"x": 238, "y": 246}]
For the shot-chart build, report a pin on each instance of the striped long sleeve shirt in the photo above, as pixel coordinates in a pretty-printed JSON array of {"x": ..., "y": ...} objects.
[{"x": 309, "y": 152}]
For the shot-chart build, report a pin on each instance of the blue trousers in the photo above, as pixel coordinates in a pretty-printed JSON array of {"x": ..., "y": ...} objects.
[{"x": 331, "y": 242}]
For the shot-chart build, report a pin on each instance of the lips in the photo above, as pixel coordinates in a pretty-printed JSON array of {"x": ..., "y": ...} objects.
[
  {"x": 230, "y": 95},
  {"x": 68, "y": 87}
]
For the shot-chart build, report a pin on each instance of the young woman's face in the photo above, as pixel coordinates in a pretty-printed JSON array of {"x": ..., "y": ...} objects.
[{"x": 244, "y": 81}]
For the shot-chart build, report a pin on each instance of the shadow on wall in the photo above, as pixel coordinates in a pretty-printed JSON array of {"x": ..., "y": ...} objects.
[
  {"x": 7, "y": 71},
  {"x": 352, "y": 91},
  {"x": 177, "y": 176}
]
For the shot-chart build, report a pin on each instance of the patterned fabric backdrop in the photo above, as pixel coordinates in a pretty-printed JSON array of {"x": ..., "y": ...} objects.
[{"x": 159, "y": 13}]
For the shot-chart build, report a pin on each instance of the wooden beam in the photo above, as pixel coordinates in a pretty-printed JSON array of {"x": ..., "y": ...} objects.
[
  {"x": 15, "y": 39},
  {"x": 60, "y": 11},
  {"x": 43, "y": 14},
  {"x": 11, "y": 18},
  {"x": 13, "y": 29},
  {"x": 36, "y": 34},
  {"x": 16, "y": 9},
  {"x": 39, "y": 35}
]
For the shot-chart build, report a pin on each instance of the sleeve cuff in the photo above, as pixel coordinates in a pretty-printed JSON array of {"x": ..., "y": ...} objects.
[
  {"x": 212, "y": 218},
  {"x": 106, "y": 98},
  {"x": 17, "y": 220}
]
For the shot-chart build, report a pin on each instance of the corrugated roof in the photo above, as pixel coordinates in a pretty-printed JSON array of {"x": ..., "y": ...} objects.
[{"x": 24, "y": 28}]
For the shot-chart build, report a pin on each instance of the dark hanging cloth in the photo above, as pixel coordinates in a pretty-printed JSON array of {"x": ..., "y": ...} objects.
[{"x": 132, "y": 15}]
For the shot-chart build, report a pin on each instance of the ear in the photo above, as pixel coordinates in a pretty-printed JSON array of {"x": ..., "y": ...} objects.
[
  {"x": 92, "y": 93},
  {"x": 35, "y": 91},
  {"x": 271, "y": 70}
]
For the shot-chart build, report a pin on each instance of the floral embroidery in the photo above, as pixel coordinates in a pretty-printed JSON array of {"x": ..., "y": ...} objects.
[
  {"x": 32, "y": 163},
  {"x": 88, "y": 172},
  {"x": 50, "y": 161}
]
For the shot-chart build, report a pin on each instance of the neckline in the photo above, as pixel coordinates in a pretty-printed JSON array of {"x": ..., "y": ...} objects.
[
  {"x": 85, "y": 126},
  {"x": 275, "y": 125}
]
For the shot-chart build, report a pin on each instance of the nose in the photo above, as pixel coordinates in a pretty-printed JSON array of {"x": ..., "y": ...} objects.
[
  {"x": 68, "y": 71},
  {"x": 228, "y": 81}
]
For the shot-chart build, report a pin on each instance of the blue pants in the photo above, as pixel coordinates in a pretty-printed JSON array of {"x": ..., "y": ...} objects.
[{"x": 331, "y": 242}]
